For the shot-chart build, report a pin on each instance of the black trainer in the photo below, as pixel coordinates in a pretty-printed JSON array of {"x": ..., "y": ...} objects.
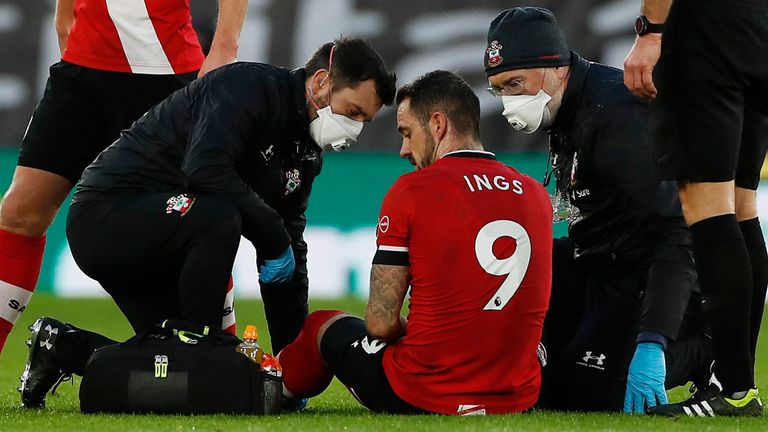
[
  {"x": 709, "y": 402},
  {"x": 42, "y": 372}
]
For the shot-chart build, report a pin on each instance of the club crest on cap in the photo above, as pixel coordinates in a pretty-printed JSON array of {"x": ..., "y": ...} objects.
[{"x": 494, "y": 54}]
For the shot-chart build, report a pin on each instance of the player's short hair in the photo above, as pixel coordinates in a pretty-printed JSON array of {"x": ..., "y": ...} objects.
[
  {"x": 445, "y": 92},
  {"x": 354, "y": 61}
]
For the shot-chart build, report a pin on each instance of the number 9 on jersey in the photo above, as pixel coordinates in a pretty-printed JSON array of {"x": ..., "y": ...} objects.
[{"x": 513, "y": 267}]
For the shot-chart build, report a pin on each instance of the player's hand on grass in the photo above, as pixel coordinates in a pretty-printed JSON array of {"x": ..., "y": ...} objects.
[
  {"x": 645, "y": 383},
  {"x": 639, "y": 64},
  {"x": 278, "y": 270}
]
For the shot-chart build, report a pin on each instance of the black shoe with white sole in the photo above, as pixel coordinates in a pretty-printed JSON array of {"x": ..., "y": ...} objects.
[{"x": 42, "y": 371}]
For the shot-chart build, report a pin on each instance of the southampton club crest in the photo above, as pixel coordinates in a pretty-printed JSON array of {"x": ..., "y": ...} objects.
[
  {"x": 494, "y": 54},
  {"x": 180, "y": 203},
  {"x": 292, "y": 181}
]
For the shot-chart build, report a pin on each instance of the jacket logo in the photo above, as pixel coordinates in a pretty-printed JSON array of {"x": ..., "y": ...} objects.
[
  {"x": 161, "y": 366},
  {"x": 268, "y": 153},
  {"x": 292, "y": 180},
  {"x": 310, "y": 155},
  {"x": 599, "y": 360},
  {"x": 589, "y": 357},
  {"x": 581, "y": 193}
]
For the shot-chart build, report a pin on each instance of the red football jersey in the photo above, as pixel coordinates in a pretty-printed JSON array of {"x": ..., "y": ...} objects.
[
  {"x": 477, "y": 236},
  {"x": 140, "y": 36}
]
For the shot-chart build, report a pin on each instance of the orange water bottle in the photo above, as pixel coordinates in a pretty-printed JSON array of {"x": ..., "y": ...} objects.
[{"x": 250, "y": 346}]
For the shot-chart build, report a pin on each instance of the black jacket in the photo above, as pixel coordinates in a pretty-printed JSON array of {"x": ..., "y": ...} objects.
[
  {"x": 627, "y": 218},
  {"x": 240, "y": 133}
]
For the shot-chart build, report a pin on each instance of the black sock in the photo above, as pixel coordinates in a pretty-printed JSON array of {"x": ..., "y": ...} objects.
[
  {"x": 725, "y": 275},
  {"x": 753, "y": 236}
]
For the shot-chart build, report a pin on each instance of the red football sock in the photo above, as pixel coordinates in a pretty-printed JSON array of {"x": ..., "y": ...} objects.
[
  {"x": 228, "y": 321},
  {"x": 20, "y": 261},
  {"x": 304, "y": 371}
]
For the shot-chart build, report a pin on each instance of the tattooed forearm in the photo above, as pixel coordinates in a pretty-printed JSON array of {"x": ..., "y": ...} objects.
[{"x": 389, "y": 284}]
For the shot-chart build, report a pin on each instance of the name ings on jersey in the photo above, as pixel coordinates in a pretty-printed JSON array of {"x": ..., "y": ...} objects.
[{"x": 480, "y": 182}]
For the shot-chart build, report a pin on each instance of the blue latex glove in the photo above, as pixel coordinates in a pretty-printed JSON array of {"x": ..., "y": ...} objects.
[
  {"x": 278, "y": 270},
  {"x": 645, "y": 383}
]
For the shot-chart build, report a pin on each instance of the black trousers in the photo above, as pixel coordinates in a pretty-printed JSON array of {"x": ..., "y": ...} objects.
[
  {"x": 159, "y": 255},
  {"x": 590, "y": 333}
]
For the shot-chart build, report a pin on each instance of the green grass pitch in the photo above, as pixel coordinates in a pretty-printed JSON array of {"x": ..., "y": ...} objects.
[{"x": 333, "y": 410}]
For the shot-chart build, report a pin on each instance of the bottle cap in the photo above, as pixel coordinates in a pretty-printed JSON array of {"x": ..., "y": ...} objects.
[{"x": 250, "y": 332}]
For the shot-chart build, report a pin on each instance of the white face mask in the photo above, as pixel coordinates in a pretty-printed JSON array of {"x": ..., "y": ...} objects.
[
  {"x": 527, "y": 113},
  {"x": 333, "y": 131}
]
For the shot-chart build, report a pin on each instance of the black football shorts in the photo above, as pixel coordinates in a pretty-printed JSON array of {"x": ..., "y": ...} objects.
[
  {"x": 83, "y": 111},
  {"x": 710, "y": 119},
  {"x": 355, "y": 359}
]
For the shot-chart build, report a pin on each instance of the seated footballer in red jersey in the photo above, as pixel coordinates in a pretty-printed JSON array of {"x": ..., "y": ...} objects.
[{"x": 472, "y": 239}]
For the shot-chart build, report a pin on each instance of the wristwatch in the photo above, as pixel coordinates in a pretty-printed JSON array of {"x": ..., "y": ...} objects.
[{"x": 643, "y": 26}]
